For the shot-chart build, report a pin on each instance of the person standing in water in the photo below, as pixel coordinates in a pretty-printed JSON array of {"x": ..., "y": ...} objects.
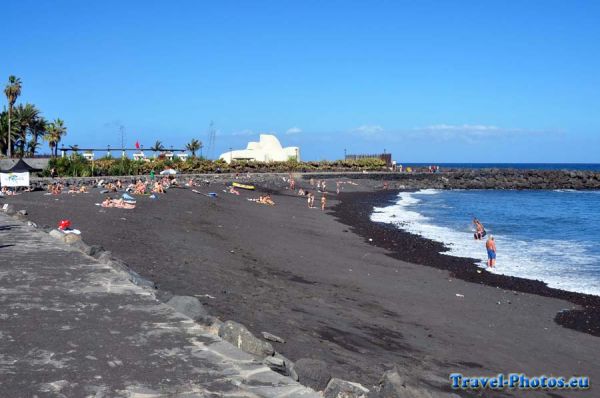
[
  {"x": 490, "y": 245},
  {"x": 480, "y": 230}
]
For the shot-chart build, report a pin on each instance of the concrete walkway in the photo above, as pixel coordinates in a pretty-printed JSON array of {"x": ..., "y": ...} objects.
[{"x": 73, "y": 327}]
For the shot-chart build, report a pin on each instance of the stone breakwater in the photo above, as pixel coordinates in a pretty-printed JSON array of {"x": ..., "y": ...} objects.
[
  {"x": 481, "y": 179},
  {"x": 455, "y": 179}
]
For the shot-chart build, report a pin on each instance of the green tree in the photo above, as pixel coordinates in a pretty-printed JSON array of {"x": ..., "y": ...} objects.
[
  {"x": 12, "y": 92},
  {"x": 193, "y": 146},
  {"x": 4, "y": 132},
  {"x": 157, "y": 147},
  {"x": 54, "y": 133},
  {"x": 37, "y": 131},
  {"x": 32, "y": 146},
  {"x": 25, "y": 118}
]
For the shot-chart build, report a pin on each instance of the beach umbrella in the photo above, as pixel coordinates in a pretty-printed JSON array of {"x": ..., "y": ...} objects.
[{"x": 168, "y": 172}]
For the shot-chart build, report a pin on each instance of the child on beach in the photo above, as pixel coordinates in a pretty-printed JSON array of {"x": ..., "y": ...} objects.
[
  {"x": 311, "y": 200},
  {"x": 490, "y": 245},
  {"x": 323, "y": 202}
]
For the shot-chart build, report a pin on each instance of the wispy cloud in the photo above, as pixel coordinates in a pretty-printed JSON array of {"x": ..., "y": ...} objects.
[
  {"x": 243, "y": 133},
  {"x": 293, "y": 130},
  {"x": 472, "y": 132},
  {"x": 369, "y": 129},
  {"x": 462, "y": 128}
]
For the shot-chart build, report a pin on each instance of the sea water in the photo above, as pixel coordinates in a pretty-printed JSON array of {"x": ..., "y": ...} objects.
[
  {"x": 551, "y": 236},
  {"x": 520, "y": 166}
]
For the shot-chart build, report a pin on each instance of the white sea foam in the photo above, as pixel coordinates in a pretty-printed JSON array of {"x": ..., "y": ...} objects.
[{"x": 561, "y": 264}]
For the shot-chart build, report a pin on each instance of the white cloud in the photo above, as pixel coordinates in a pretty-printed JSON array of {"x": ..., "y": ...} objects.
[
  {"x": 463, "y": 127},
  {"x": 293, "y": 130},
  {"x": 369, "y": 129},
  {"x": 243, "y": 133},
  {"x": 469, "y": 132}
]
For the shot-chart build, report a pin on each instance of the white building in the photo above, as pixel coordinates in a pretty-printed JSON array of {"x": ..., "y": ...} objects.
[{"x": 267, "y": 149}]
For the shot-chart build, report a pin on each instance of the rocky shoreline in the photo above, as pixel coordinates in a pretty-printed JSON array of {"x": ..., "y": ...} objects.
[
  {"x": 452, "y": 179},
  {"x": 481, "y": 179}
]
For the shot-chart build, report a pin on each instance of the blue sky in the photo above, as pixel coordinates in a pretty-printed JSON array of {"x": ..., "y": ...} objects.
[{"x": 443, "y": 81}]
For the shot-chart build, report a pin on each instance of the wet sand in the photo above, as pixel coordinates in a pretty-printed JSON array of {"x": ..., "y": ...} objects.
[{"x": 332, "y": 294}]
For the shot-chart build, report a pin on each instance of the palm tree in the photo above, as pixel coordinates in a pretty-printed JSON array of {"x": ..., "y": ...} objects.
[
  {"x": 193, "y": 146},
  {"x": 157, "y": 147},
  {"x": 4, "y": 132},
  {"x": 74, "y": 151},
  {"x": 54, "y": 133},
  {"x": 12, "y": 92},
  {"x": 32, "y": 146},
  {"x": 25, "y": 117},
  {"x": 37, "y": 130}
]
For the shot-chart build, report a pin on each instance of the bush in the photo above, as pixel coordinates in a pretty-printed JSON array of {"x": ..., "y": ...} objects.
[{"x": 77, "y": 166}]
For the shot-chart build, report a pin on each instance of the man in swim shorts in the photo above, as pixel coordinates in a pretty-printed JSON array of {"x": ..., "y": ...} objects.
[{"x": 490, "y": 245}]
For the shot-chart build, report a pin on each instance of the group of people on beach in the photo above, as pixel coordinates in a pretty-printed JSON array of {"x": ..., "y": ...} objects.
[
  {"x": 490, "y": 244},
  {"x": 321, "y": 186},
  {"x": 5, "y": 191}
]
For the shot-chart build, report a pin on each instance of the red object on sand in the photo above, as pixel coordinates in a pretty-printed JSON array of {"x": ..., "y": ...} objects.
[
  {"x": 64, "y": 224},
  {"x": 137, "y": 144}
]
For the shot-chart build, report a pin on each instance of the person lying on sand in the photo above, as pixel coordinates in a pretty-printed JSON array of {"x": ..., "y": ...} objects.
[
  {"x": 83, "y": 189},
  {"x": 233, "y": 191},
  {"x": 190, "y": 183},
  {"x": 264, "y": 200},
  {"x": 117, "y": 203}
]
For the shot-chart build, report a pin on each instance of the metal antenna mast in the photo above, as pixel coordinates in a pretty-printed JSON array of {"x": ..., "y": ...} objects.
[
  {"x": 122, "y": 131},
  {"x": 211, "y": 140}
]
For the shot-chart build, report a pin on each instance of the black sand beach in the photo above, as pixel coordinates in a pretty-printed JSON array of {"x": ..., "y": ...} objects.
[{"x": 316, "y": 280}]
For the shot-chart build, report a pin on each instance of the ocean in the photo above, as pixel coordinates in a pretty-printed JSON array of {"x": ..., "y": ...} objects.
[
  {"x": 522, "y": 166},
  {"x": 551, "y": 236}
]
